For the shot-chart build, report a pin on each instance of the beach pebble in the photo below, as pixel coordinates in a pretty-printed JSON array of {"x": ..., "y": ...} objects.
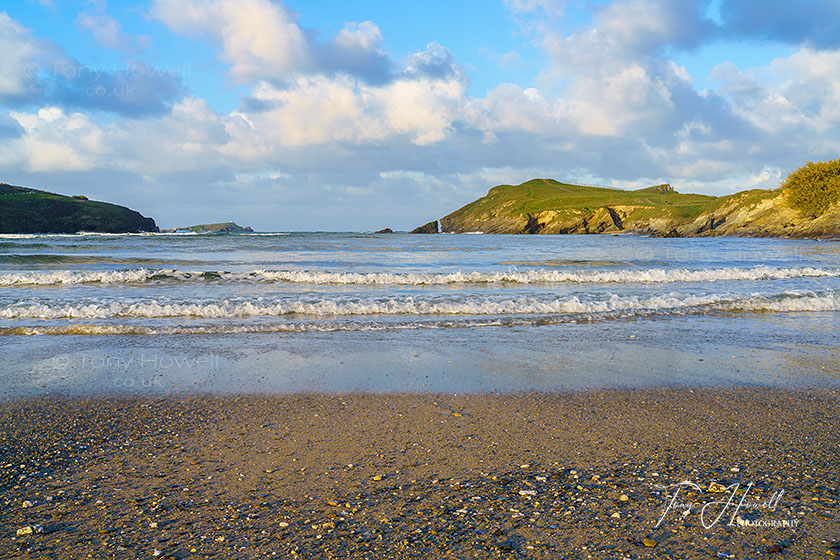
[
  {"x": 220, "y": 539},
  {"x": 283, "y": 524},
  {"x": 715, "y": 487},
  {"x": 27, "y": 504},
  {"x": 616, "y": 515},
  {"x": 776, "y": 548},
  {"x": 153, "y": 525},
  {"x": 377, "y": 477},
  {"x": 624, "y": 498},
  {"x": 157, "y": 553},
  {"x": 29, "y": 529},
  {"x": 527, "y": 492},
  {"x": 649, "y": 542}
]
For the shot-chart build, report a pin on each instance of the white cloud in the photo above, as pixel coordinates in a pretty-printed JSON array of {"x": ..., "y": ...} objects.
[
  {"x": 364, "y": 35},
  {"x": 16, "y": 65},
  {"x": 57, "y": 141},
  {"x": 798, "y": 91},
  {"x": 322, "y": 109},
  {"x": 108, "y": 32},
  {"x": 508, "y": 107},
  {"x": 259, "y": 38}
]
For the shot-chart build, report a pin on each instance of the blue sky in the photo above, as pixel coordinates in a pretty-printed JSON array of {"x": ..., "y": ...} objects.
[{"x": 309, "y": 115}]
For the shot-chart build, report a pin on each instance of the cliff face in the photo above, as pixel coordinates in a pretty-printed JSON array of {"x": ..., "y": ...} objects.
[
  {"x": 762, "y": 214},
  {"x": 546, "y": 206},
  {"x": 24, "y": 210},
  {"x": 431, "y": 227}
]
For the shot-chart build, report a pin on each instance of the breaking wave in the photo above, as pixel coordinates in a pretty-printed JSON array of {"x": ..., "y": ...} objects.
[
  {"x": 663, "y": 304},
  {"x": 651, "y": 275}
]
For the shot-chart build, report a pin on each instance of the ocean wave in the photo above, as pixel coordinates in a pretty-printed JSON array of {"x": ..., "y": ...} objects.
[
  {"x": 650, "y": 275},
  {"x": 651, "y": 308},
  {"x": 662, "y": 304}
]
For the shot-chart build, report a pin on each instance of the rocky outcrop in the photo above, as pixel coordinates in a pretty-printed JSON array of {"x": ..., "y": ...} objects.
[
  {"x": 762, "y": 214},
  {"x": 385, "y": 230},
  {"x": 221, "y": 227},
  {"x": 25, "y": 210},
  {"x": 431, "y": 227},
  {"x": 542, "y": 206}
]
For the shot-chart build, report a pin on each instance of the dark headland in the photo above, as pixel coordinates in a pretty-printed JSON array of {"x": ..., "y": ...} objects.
[{"x": 25, "y": 210}]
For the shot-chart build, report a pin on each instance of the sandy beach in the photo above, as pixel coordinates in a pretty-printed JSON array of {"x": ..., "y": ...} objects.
[{"x": 577, "y": 475}]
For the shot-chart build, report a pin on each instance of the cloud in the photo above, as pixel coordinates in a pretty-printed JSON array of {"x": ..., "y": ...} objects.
[
  {"x": 324, "y": 109},
  {"x": 792, "y": 96},
  {"x": 9, "y": 127},
  {"x": 57, "y": 141},
  {"x": 551, "y": 7},
  {"x": 19, "y": 48},
  {"x": 136, "y": 89},
  {"x": 261, "y": 40},
  {"x": 37, "y": 73},
  {"x": 435, "y": 62},
  {"x": 108, "y": 32},
  {"x": 355, "y": 50},
  {"x": 815, "y": 23}
]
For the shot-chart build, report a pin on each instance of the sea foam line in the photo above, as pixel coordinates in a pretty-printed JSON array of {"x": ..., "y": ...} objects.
[
  {"x": 650, "y": 275},
  {"x": 788, "y": 302},
  {"x": 791, "y": 303}
]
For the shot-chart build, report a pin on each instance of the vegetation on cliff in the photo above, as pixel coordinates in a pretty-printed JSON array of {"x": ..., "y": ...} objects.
[
  {"x": 807, "y": 205},
  {"x": 222, "y": 227},
  {"x": 548, "y": 206},
  {"x": 814, "y": 187},
  {"x": 25, "y": 210}
]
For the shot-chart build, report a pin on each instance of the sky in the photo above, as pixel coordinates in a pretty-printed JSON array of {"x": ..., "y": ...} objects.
[{"x": 352, "y": 116}]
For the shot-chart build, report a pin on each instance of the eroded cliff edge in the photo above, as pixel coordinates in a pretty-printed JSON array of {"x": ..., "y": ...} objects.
[{"x": 546, "y": 206}]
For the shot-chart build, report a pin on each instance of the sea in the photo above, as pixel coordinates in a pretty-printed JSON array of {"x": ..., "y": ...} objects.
[{"x": 164, "y": 314}]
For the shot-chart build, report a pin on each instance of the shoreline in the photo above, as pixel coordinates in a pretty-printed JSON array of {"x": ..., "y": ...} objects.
[{"x": 546, "y": 475}]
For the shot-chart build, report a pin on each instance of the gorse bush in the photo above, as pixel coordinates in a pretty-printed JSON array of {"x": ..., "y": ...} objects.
[{"x": 814, "y": 187}]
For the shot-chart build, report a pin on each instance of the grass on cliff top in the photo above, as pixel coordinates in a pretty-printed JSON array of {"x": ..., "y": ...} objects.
[
  {"x": 814, "y": 187},
  {"x": 538, "y": 195},
  {"x": 10, "y": 192},
  {"x": 201, "y": 228}
]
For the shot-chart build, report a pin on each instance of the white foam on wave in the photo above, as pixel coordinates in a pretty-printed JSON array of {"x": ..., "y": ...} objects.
[
  {"x": 650, "y": 275},
  {"x": 663, "y": 304},
  {"x": 789, "y": 303}
]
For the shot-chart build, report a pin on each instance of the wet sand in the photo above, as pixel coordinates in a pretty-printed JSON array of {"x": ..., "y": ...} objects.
[{"x": 423, "y": 476}]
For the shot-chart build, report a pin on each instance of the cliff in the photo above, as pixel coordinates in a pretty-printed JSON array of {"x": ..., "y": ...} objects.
[
  {"x": 25, "y": 210},
  {"x": 431, "y": 227},
  {"x": 546, "y": 206}
]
